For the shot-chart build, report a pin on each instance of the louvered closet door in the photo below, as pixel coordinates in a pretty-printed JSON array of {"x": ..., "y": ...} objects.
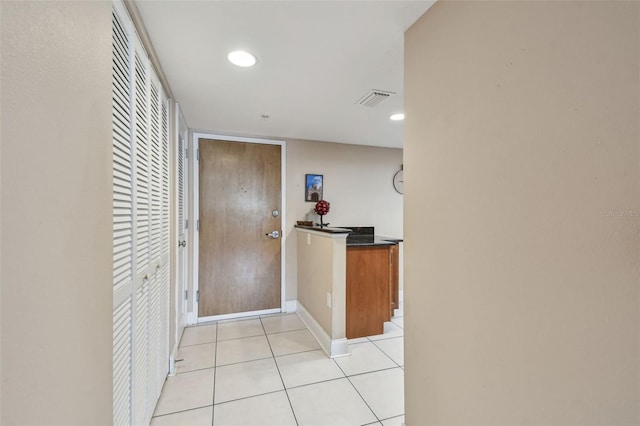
[
  {"x": 163, "y": 342},
  {"x": 122, "y": 223},
  {"x": 142, "y": 200},
  {"x": 155, "y": 165},
  {"x": 140, "y": 228}
]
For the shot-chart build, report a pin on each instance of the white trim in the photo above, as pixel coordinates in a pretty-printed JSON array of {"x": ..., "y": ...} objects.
[
  {"x": 196, "y": 209},
  {"x": 333, "y": 348},
  {"x": 192, "y": 318},
  {"x": 290, "y": 306},
  {"x": 238, "y": 315}
]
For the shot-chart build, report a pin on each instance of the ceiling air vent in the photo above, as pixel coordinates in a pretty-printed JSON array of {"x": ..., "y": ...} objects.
[{"x": 373, "y": 98}]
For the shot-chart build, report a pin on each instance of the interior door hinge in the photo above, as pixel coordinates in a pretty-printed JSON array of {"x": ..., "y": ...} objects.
[
  {"x": 186, "y": 153},
  {"x": 198, "y": 154},
  {"x": 198, "y": 225},
  {"x": 186, "y": 295},
  {"x": 186, "y": 224},
  {"x": 197, "y": 296}
]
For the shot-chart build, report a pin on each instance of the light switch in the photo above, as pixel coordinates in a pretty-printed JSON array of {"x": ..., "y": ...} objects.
[{"x": 328, "y": 300}]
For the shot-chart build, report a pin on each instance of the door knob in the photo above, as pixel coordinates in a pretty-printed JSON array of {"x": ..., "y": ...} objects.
[
  {"x": 182, "y": 243},
  {"x": 274, "y": 234}
]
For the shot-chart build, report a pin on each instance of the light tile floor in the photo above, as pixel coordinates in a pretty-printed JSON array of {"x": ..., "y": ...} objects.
[{"x": 269, "y": 370}]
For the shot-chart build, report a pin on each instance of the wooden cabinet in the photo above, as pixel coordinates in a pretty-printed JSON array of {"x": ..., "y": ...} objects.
[
  {"x": 394, "y": 278},
  {"x": 372, "y": 289}
]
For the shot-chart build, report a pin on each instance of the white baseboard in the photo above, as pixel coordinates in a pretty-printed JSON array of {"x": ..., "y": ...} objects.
[
  {"x": 172, "y": 361},
  {"x": 401, "y": 295},
  {"x": 290, "y": 306},
  {"x": 333, "y": 348}
]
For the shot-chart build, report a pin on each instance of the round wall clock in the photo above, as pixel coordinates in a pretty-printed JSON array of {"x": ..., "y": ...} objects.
[{"x": 398, "y": 181}]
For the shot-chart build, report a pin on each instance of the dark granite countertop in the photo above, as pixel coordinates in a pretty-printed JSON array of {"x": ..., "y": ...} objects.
[
  {"x": 325, "y": 229},
  {"x": 365, "y": 236},
  {"x": 359, "y": 236},
  {"x": 371, "y": 241}
]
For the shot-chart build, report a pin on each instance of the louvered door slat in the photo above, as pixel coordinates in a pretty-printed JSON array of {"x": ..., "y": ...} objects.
[
  {"x": 141, "y": 355},
  {"x": 140, "y": 102},
  {"x": 122, "y": 224},
  {"x": 156, "y": 169},
  {"x": 163, "y": 342},
  {"x": 165, "y": 180},
  {"x": 122, "y": 364},
  {"x": 180, "y": 186},
  {"x": 154, "y": 335}
]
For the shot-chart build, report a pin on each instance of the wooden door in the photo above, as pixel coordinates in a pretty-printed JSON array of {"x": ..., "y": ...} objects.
[{"x": 239, "y": 264}]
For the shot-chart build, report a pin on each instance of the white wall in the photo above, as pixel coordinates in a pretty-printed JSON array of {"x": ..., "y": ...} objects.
[
  {"x": 56, "y": 203},
  {"x": 522, "y": 214},
  {"x": 357, "y": 183}
]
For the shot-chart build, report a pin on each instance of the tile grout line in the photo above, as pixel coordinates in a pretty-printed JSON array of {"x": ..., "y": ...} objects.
[
  {"x": 385, "y": 354},
  {"x": 358, "y": 392},
  {"x": 295, "y": 418},
  {"x": 181, "y": 411}
]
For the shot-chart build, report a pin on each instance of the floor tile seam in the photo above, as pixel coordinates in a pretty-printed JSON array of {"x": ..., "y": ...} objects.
[
  {"x": 391, "y": 418},
  {"x": 181, "y": 411},
  {"x": 178, "y": 373},
  {"x": 196, "y": 344},
  {"x": 315, "y": 383},
  {"x": 359, "y": 343},
  {"x": 385, "y": 338},
  {"x": 296, "y": 353},
  {"x": 295, "y": 418},
  {"x": 244, "y": 362},
  {"x": 374, "y": 371},
  {"x": 238, "y": 338},
  {"x": 285, "y": 331},
  {"x": 388, "y": 356},
  {"x": 240, "y": 319},
  {"x": 194, "y": 370},
  {"x": 385, "y": 354},
  {"x": 217, "y": 404},
  {"x": 363, "y": 400}
]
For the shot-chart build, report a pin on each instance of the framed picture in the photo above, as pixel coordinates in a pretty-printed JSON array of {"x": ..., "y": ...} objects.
[{"x": 313, "y": 187}]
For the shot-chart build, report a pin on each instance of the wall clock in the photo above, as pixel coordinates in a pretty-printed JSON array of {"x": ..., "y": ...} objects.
[{"x": 398, "y": 181}]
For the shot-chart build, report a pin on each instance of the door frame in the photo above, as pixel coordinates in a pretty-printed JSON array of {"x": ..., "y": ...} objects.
[{"x": 195, "y": 191}]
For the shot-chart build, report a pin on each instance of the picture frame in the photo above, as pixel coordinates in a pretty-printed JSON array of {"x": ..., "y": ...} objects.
[{"x": 313, "y": 186}]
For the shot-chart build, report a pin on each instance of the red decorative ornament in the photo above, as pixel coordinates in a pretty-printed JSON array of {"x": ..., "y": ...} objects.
[{"x": 322, "y": 208}]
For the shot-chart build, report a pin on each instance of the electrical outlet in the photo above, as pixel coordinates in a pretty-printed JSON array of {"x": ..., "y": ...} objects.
[{"x": 328, "y": 300}]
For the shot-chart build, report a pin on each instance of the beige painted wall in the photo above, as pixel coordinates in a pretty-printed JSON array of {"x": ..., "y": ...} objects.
[
  {"x": 522, "y": 205},
  {"x": 357, "y": 183},
  {"x": 322, "y": 265},
  {"x": 56, "y": 227}
]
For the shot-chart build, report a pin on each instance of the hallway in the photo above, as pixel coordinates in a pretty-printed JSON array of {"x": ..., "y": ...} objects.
[{"x": 269, "y": 370}]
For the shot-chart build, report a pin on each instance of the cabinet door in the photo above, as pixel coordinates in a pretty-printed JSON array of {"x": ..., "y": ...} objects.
[
  {"x": 394, "y": 290},
  {"x": 368, "y": 272}
]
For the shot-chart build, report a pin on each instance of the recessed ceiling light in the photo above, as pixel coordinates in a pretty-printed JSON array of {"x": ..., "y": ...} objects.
[
  {"x": 397, "y": 117},
  {"x": 241, "y": 58}
]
